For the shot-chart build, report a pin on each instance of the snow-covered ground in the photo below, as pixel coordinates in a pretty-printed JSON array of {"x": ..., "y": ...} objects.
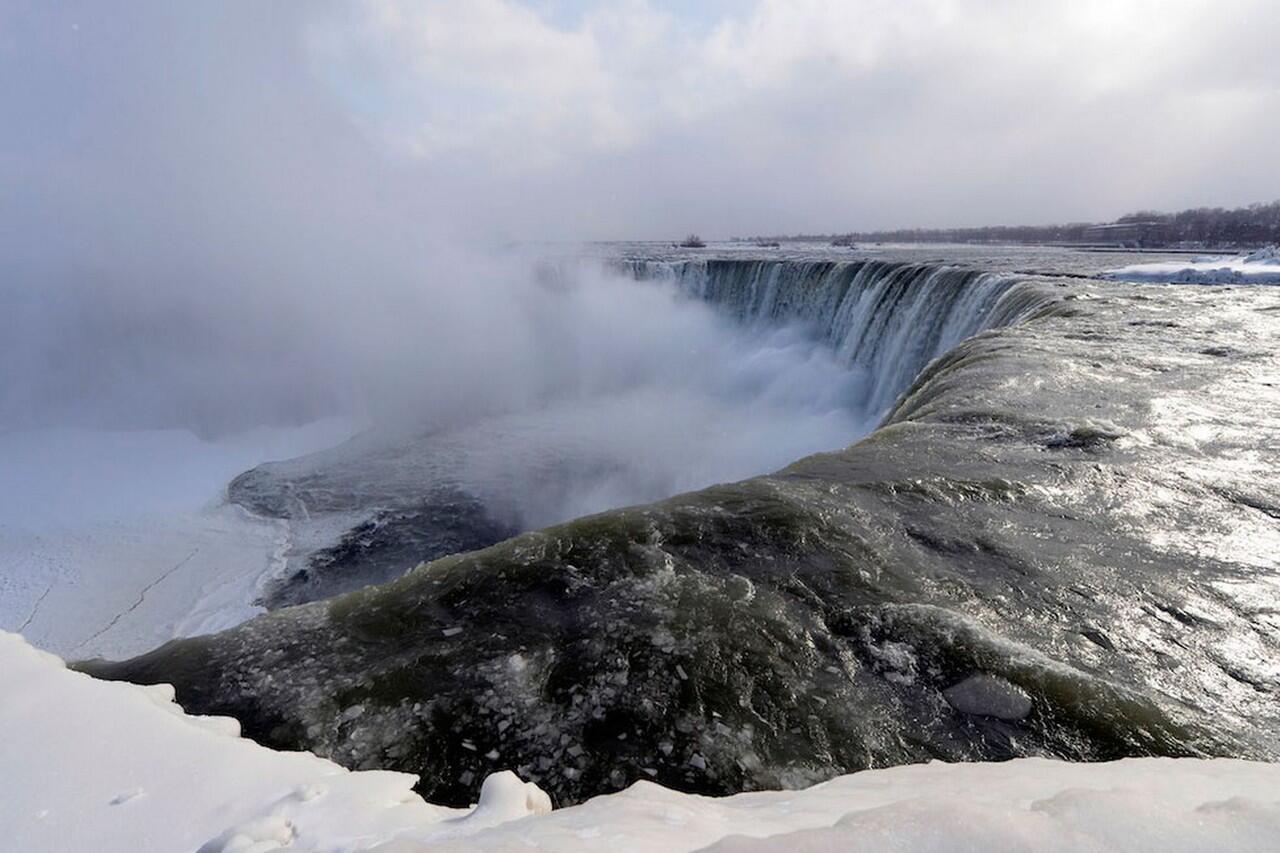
[
  {"x": 1260, "y": 267},
  {"x": 112, "y": 543},
  {"x": 107, "y": 766}
]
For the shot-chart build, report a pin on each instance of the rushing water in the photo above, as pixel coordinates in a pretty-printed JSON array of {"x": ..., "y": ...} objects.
[
  {"x": 887, "y": 319},
  {"x": 1062, "y": 539},
  {"x": 795, "y": 357}
]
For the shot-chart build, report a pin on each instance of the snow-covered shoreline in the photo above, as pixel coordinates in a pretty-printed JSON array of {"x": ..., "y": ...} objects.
[
  {"x": 1260, "y": 267},
  {"x": 108, "y": 766},
  {"x": 113, "y": 542}
]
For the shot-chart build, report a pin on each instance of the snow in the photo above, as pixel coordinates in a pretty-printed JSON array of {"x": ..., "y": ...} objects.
[
  {"x": 107, "y": 766},
  {"x": 112, "y": 542},
  {"x": 103, "y": 766},
  {"x": 1260, "y": 267}
]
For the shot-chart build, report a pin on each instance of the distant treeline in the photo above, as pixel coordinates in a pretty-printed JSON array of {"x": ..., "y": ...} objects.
[{"x": 1201, "y": 228}]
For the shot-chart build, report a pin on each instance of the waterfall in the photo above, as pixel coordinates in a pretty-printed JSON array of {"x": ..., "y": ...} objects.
[{"x": 886, "y": 319}]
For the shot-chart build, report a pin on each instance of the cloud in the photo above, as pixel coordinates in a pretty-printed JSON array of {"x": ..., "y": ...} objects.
[
  {"x": 629, "y": 119},
  {"x": 854, "y": 114}
]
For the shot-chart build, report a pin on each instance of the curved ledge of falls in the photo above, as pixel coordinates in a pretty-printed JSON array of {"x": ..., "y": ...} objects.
[
  {"x": 1061, "y": 540},
  {"x": 368, "y": 511},
  {"x": 888, "y": 319}
]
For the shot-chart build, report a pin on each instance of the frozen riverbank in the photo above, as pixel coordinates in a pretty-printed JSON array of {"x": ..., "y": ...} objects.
[
  {"x": 1260, "y": 267},
  {"x": 112, "y": 542}
]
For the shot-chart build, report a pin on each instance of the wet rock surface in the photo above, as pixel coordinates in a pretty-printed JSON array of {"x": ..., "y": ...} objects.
[{"x": 989, "y": 696}]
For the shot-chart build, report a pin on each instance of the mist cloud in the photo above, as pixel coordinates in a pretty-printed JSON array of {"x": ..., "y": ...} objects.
[{"x": 220, "y": 215}]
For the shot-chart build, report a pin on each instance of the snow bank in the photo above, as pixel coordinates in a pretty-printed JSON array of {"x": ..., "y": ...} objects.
[
  {"x": 1260, "y": 267},
  {"x": 103, "y": 766},
  {"x": 107, "y": 766}
]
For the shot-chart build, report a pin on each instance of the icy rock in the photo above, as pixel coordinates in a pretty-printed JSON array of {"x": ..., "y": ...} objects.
[{"x": 990, "y": 696}]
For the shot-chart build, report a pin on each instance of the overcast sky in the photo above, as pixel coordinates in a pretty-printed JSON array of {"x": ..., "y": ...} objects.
[{"x": 136, "y": 128}]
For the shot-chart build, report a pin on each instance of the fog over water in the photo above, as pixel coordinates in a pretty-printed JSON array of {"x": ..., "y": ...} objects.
[
  {"x": 647, "y": 391},
  {"x": 219, "y": 218},
  {"x": 204, "y": 252}
]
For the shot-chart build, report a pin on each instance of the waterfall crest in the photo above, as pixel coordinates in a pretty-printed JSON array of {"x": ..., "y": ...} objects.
[{"x": 886, "y": 319}]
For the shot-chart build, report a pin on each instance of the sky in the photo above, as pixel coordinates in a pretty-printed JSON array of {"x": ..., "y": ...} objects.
[{"x": 134, "y": 124}]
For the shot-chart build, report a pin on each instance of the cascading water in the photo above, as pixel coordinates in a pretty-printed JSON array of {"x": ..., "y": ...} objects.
[
  {"x": 886, "y": 320},
  {"x": 817, "y": 353}
]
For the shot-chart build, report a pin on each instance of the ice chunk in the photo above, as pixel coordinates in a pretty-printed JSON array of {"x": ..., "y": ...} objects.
[{"x": 504, "y": 797}]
